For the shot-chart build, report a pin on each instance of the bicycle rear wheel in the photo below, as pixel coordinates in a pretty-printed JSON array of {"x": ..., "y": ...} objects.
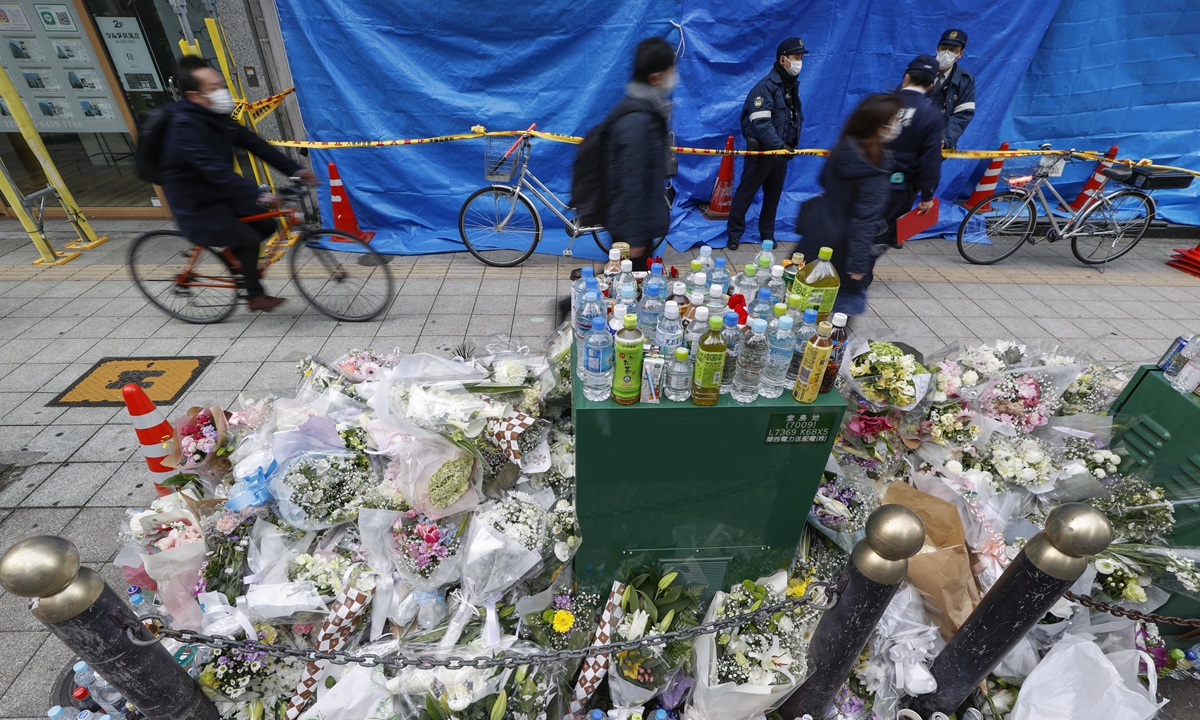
[
  {"x": 996, "y": 228},
  {"x": 499, "y": 227},
  {"x": 1112, "y": 227},
  {"x": 340, "y": 275},
  {"x": 186, "y": 281}
]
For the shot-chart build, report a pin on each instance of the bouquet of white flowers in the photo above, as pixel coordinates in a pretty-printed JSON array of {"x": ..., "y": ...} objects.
[{"x": 886, "y": 376}]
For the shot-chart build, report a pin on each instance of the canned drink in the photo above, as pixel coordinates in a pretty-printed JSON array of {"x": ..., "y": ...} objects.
[{"x": 1173, "y": 360}]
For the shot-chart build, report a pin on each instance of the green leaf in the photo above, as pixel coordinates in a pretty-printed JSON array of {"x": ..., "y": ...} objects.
[
  {"x": 548, "y": 615},
  {"x": 627, "y": 597},
  {"x": 667, "y": 579},
  {"x": 433, "y": 706},
  {"x": 666, "y": 623},
  {"x": 499, "y": 706}
]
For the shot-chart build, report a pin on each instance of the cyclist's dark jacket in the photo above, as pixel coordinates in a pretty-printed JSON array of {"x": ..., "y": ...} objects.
[
  {"x": 196, "y": 160},
  {"x": 956, "y": 99},
  {"x": 635, "y": 161},
  {"x": 917, "y": 152}
]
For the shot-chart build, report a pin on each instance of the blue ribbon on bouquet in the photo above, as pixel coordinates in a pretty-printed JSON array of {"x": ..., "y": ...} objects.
[{"x": 254, "y": 489}]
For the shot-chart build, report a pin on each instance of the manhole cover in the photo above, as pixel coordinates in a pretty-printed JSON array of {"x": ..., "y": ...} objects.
[{"x": 163, "y": 379}]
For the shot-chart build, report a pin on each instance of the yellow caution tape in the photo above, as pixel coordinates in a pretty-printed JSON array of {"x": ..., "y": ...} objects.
[{"x": 260, "y": 108}]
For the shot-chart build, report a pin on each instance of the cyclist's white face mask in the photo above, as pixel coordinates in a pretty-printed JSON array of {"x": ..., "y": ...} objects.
[{"x": 220, "y": 101}]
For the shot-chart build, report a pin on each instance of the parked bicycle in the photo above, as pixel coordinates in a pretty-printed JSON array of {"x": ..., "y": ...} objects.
[
  {"x": 500, "y": 225},
  {"x": 339, "y": 274},
  {"x": 1106, "y": 227}
]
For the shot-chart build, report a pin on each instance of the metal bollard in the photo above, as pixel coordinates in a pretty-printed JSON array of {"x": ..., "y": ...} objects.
[
  {"x": 1049, "y": 564},
  {"x": 75, "y": 604},
  {"x": 876, "y": 567}
]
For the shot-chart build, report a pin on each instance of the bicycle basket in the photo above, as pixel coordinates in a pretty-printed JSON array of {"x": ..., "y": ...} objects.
[
  {"x": 501, "y": 156},
  {"x": 1022, "y": 170}
]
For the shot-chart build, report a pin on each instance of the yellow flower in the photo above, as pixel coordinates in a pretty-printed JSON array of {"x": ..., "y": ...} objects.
[
  {"x": 208, "y": 678},
  {"x": 797, "y": 587},
  {"x": 563, "y": 621}
]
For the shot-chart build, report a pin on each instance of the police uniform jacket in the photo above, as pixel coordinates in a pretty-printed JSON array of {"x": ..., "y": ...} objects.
[
  {"x": 767, "y": 117},
  {"x": 917, "y": 151},
  {"x": 956, "y": 99}
]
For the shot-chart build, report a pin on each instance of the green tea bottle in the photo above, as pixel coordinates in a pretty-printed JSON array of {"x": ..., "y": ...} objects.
[
  {"x": 818, "y": 284},
  {"x": 710, "y": 362},
  {"x": 627, "y": 378}
]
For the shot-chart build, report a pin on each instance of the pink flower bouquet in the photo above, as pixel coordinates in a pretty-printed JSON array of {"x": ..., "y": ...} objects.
[
  {"x": 1017, "y": 400},
  {"x": 201, "y": 444}
]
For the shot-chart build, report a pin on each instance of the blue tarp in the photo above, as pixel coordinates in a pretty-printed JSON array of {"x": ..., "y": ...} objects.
[{"x": 371, "y": 69}]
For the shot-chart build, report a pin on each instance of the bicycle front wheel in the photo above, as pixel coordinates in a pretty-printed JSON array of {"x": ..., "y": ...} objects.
[
  {"x": 340, "y": 275},
  {"x": 186, "y": 281},
  {"x": 1112, "y": 226},
  {"x": 499, "y": 227},
  {"x": 996, "y": 228}
]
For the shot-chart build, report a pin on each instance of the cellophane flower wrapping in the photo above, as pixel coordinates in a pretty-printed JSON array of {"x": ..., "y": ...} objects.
[
  {"x": 202, "y": 446},
  {"x": 843, "y": 501},
  {"x": 902, "y": 648},
  {"x": 886, "y": 376},
  {"x": 424, "y": 471}
]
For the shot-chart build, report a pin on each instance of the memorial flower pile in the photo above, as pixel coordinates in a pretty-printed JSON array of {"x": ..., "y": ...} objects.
[
  {"x": 773, "y": 651},
  {"x": 424, "y": 543},
  {"x": 1017, "y": 400}
]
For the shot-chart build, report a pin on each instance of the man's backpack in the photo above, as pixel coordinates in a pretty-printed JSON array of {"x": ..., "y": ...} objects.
[
  {"x": 589, "y": 173},
  {"x": 152, "y": 132}
]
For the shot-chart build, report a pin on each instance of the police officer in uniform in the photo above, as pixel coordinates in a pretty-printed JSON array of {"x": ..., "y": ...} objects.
[
  {"x": 953, "y": 88},
  {"x": 771, "y": 120},
  {"x": 917, "y": 150}
]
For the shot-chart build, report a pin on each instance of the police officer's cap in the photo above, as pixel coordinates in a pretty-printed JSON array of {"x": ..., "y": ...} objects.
[
  {"x": 957, "y": 38},
  {"x": 925, "y": 63},
  {"x": 791, "y": 46}
]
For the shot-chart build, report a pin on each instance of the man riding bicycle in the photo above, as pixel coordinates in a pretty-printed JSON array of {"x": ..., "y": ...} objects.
[{"x": 196, "y": 169}]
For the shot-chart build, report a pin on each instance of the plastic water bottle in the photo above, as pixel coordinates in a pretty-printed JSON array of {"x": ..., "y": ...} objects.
[
  {"x": 794, "y": 303},
  {"x": 695, "y": 267},
  {"x": 701, "y": 284},
  {"x": 776, "y": 285},
  {"x": 750, "y": 363},
  {"x": 719, "y": 275},
  {"x": 669, "y": 333},
  {"x": 782, "y": 346},
  {"x": 611, "y": 270},
  {"x": 58, "y": 712},
  {"x": 697, "y": 327},
  {"x": 761, "y": 306},
  {"x": 629, "y": 299},
  {"x": 679, "y": 294},
  {"x": 589, "y": 306},
  {"x": 778, "y": 312},
  {"x": 105, "y": 695},
  {"x": 804, "y": 333},
  {"x": 580, "y": 287},
  {"x": 733, "y": 344},
  {"x": 715, "y": 302},
  {"x": 617, "y": 321},
  {"x": 650, "y": 310},
  {"x": 598, "y": 362},
  {"x": 706, "y": 259},
  {"x": 765, "y": 252},
  {"x": 626, "y": 279},
  {"x": 1189, "y": 377},
  {"x": 677, "y": 376},
  {"x": 655, "y": 280},
  {"x": 763, "y": 276},
  {"x": 746, "y": 284}
]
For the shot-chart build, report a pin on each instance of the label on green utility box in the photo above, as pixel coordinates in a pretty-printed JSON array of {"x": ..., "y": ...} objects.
[{"x": 800, "y": 427}]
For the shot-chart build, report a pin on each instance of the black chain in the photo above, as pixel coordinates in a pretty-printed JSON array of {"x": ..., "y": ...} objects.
[
  {"x": 1088, "y": 601},
  {"x": 816, "y": 590}
]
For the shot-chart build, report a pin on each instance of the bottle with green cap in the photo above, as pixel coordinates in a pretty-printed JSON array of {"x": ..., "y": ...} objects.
[
  {"x": 627, "y": 378},
  {"x": 695, "y": 268},
  {"x": 778, "y": 311},
  {"x": 763, "y": 274},
  {"x": 677, "y": 377},
  {"x": 746, "y": 284},
  {"x": 818, "y": 284},
  {"x": 709, "y": 365}
]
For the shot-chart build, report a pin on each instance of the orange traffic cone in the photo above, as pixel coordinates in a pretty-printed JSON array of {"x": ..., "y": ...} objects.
[
  {"x": 343, "y": 213},
  {"x": 987, "y": 184},
  {"x": 722, "y": 195},
  {"x": 154, "y": 433},
  {"x": 1095, "y": 181}
]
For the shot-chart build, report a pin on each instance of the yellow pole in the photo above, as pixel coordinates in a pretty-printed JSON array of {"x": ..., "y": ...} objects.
[
  {"x": 216, "y": 35},
  {"x": 25, "y": 123},
  {"x": 49, "y": 255}
]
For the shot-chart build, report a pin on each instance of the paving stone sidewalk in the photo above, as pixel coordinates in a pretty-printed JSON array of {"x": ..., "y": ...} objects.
[{"x": 74, "y": 471}]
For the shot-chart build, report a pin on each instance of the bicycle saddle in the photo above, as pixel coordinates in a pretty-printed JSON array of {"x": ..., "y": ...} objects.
[{"x": 1120, "y": 173}]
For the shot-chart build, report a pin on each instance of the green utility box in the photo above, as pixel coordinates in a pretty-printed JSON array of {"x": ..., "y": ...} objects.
[
  {"x": 1159, "y": 435},
  {"x": 719, "y": 493}
]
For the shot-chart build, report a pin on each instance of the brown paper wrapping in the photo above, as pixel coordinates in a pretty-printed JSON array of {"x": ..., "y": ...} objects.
[{"x": 941, "y": 572}]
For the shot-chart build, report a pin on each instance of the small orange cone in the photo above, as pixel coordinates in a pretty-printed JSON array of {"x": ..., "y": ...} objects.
[
  {"x": 988, "y": 182},
  {"x": 154, "y": 433},
  {"x": 722, "y": 195},
  {"x": 343, "y": 214},
  {"x": 1095, "y": 181}
]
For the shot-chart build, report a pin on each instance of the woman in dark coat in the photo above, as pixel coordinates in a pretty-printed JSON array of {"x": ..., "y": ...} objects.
[{"x": 849, "y": 216}]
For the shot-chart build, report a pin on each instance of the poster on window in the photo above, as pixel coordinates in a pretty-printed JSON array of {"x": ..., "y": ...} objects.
[
  {"x": 85, "y": 79},
  {"x": 12, "y": 18},
  {"x": 71, "y": 50},
  {"x": 98, "y": 108},
  {"x": 40, "y": 79},
  {"x": 127, "y": 46},
  {"x": 55, "y": 108},
  {"x": 25, "y": 49},
  {"x": 56, "y": 17}
]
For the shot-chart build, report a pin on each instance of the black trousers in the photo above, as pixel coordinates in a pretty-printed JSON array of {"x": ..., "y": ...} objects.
[
  {"x": 244, "y": 240},
  {"x": 900, "y": 201},
  {"x": 759, "y": 171}
]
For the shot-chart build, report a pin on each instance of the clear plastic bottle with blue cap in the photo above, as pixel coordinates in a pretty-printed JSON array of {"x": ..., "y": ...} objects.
[
  {"x": 58, "y": 712},
  {"x": 782, "y": 346},
  {"x": 589, "y": 308},
  {"x": 99, "y": 690},
  {"x": 598, "y": 714},
  {"x": 626, "y": 280},
  {"x": 761, "y": 306},
  {"x": 733, "y": 344},
  {"x": 805, "y": 332},
  {"x": 580, "y": 287},
  {"x": 706, "y": 259},
  {"x": 656, "y": 280},
  {"x": 650, "y": 310},
  {"x": 766, "y": 252},
  {"x": 751, "y": 361},
  {"x": 598, "y": 362},
  {"x": 719, "y": 275}
]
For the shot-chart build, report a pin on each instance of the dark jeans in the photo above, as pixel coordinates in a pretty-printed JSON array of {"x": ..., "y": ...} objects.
[
  {"x": 760, "y": 171},
  {"x": 244, "y": 240}
]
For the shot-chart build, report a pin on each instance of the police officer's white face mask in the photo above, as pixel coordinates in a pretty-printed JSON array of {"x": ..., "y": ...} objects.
[
  {"x": 794, "y": 66},
  {"x": 946, "y": 59}
]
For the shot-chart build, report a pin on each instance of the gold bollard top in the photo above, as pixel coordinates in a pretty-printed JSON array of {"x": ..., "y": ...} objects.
[
  {"x": 894, "y": 534},
  {"x": 1073, "y": 533},
  {"x": 39, "y": 566}
]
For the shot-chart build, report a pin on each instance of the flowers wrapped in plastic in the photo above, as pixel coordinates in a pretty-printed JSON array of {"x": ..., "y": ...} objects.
[
  {"x": 886, "y": 376},
  {"x": 201, "y": 448},
  {"x": 424, "y": 471},
  {"x": 318, "y": 481},
  {"x": 362, "y": 365},
  {"x": 840, "y": 508},
  {"x": 246, "y": 683},
  {"x": 744, "y": 672}
]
